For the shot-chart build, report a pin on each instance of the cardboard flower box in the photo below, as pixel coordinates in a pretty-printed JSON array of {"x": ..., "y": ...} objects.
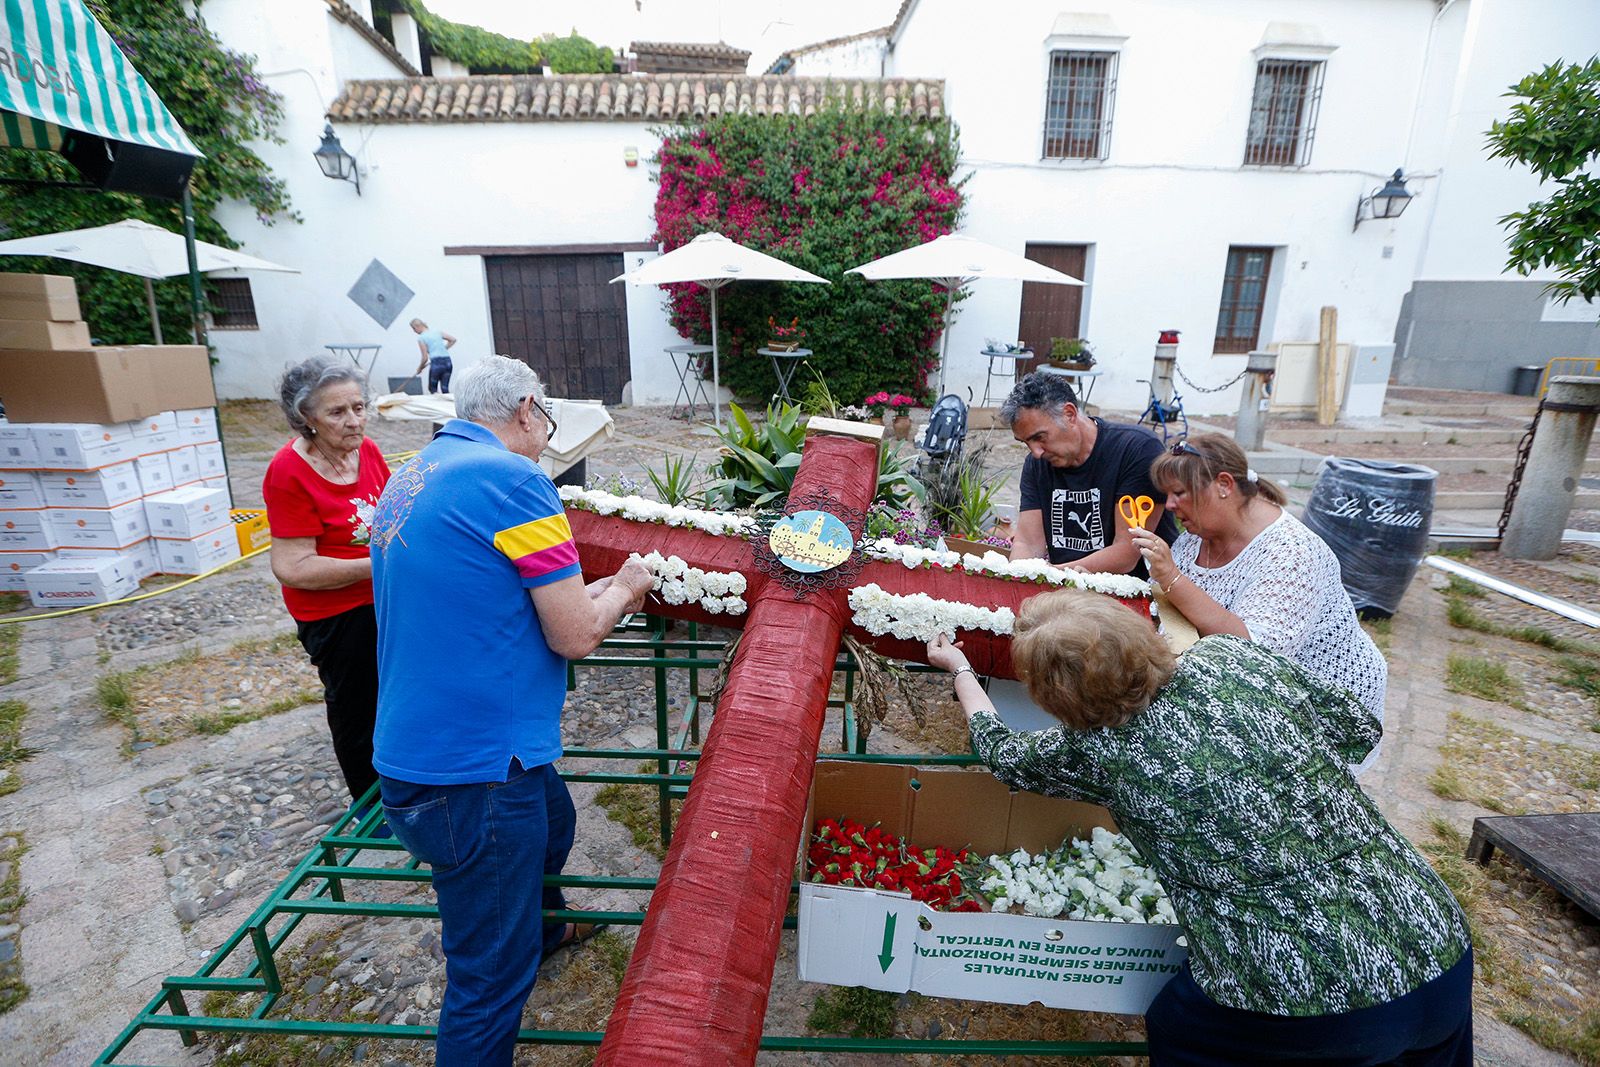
[
  {"x": 187, "y": 512},
  {"x": 888, "y": 941},
  {"x": 69, "y": 582},
  {"x": 14, "y": 566},
  {"x": 196, "y": 555}
]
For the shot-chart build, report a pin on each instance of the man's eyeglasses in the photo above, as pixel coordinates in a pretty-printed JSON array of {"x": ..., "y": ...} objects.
[{"x": 540, "y": 408}]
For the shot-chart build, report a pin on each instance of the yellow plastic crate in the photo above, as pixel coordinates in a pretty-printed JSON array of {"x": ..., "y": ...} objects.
[{"x": 250, "y": 526}]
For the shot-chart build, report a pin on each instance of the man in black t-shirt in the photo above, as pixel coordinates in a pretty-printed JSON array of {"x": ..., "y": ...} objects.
[{"x": 1076, "y": 470}]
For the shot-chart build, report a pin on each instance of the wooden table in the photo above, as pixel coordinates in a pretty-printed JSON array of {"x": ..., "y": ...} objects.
[{"x": 1563, "y": 851}]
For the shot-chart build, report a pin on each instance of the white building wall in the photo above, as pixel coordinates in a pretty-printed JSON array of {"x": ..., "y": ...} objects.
[
  {"x": 1408, "y": 84},
  {"x": 1503, "y": 41},
  {"x": 427, "y": 188},
  {"x": 423, "y": 188},
  {"x": 861, "y": 58},
  {"x": 1162, "y": 210}
]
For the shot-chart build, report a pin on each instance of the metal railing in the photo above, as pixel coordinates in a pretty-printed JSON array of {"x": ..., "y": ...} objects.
[
  {"x": 1586, "y": 366},
  {"x": 353, "y": 850}
]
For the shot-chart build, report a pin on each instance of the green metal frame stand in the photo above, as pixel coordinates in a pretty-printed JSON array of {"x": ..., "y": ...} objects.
[{"x": 346, "y": 853}]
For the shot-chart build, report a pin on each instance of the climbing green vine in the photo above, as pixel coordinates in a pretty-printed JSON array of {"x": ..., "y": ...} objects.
[
  {"x": 218, "y": 99},
  {"x": 573, "y": 54},
  {"x": 481, "y": 51}
]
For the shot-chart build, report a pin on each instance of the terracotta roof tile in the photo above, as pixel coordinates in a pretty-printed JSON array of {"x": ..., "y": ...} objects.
[
  {"x": 714, "y": 50},
  {"x": 621, "y": 97},
  {"x": 354, "y": 19}
]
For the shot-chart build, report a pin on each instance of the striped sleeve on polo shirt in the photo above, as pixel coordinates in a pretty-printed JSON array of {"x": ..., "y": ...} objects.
[{"x": 541, "y": 549}]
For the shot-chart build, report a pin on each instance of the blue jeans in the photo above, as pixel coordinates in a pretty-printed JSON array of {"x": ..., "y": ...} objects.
[
  {"x": 439, "y": 375},
  {"x": 490, "y": 845}
]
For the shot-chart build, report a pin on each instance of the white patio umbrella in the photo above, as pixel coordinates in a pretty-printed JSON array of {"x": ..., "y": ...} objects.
[
  {"x": 136, "y": 247},
  {"x": 712, "y": 261},
  {"x": 953, "y": 261}
]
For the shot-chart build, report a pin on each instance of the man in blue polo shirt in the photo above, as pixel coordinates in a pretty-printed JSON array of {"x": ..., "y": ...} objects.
[{"x": 480, "y": 603}]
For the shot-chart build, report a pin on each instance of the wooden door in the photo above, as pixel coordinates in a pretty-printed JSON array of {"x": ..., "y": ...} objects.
[
  {"x": 1051, "y": 310},
  {"x": 560, "y": 315}
]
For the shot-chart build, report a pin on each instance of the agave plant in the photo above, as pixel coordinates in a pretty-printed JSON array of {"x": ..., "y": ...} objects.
[
  {"x": 755, "y": 467},
  {"x": 677, "y": 480},
  {"x": 959, "y": 496}
]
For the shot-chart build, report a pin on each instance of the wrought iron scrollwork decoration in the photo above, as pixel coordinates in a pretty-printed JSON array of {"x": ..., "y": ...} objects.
[{"x": 802, "y": 582}]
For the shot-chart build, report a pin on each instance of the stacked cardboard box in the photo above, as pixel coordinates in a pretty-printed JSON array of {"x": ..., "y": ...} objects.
[
  {"x": 192, "y": 528},
  {"x": 50, "y": 372},
  {"x": 40, "y": 311},
  {"x": 98, "y": 490},
  {"x": 89, "y": 446}
]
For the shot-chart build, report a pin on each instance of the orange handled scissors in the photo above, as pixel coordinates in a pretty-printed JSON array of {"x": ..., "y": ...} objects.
[{"x": 1135, "y": 510}]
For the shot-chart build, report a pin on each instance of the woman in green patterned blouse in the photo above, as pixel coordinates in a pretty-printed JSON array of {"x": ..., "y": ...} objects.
[{"x": 1316, "y": 933}]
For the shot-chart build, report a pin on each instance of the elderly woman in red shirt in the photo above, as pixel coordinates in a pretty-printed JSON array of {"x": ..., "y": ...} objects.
[{"x": 320, "y": 490}]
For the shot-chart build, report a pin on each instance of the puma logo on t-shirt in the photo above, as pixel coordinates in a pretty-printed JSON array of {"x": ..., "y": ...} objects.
[{"x": 1075, "y": 511}]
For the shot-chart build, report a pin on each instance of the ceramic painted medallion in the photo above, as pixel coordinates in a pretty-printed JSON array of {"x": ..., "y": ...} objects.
[{"x": 810, "y": 541}]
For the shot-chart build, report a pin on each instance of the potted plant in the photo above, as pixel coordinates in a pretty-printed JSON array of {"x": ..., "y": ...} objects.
[
  {"x": 900, "y": 405},
  {"x": 785, "y": 338},
  {"x": 1070, "y": 353},
  {"x": 877, "y": 405},
  {"x": 973, "y": 515},
  {"x": 963, "y": 500},
  {"x": 893, "y": 408}
]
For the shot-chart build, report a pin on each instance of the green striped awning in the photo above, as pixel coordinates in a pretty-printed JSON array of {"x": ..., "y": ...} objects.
[{"x": 59, "y": 69}]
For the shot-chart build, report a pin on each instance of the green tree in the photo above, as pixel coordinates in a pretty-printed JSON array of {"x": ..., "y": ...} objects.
[
  {"x": 218, "y": 99},
  {"x": 1554, "y": 129}
]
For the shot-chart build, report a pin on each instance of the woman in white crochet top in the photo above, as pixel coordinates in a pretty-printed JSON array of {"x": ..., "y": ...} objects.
[{"x": 1245, "y": 566}]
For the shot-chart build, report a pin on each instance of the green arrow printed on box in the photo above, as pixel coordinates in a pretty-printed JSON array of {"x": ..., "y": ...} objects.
[{"x": 886, "y": 957}]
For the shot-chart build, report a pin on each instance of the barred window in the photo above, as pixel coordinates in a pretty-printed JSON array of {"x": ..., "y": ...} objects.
[
  {"x": 232, "y": 305},
  {"x": 1283, "y": 112},
  {"x": 1244, "y": 295},
  {"x": 1078, "y": 103}
]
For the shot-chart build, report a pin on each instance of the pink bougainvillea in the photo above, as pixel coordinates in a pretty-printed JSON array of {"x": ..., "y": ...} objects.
[{"x": 825, "y": 192}]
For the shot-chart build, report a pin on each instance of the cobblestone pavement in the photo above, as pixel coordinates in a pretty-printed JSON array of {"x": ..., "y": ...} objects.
[{"x": 141, "y": 862}]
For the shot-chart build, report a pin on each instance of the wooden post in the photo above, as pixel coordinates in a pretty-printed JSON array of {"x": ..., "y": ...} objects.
[{"x": 1327, "y": 368}]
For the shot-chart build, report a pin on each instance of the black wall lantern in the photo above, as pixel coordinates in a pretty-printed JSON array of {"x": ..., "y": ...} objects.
[
  {"x": 1386, "y": 203},
  {"x": 335, "y": 162}
]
